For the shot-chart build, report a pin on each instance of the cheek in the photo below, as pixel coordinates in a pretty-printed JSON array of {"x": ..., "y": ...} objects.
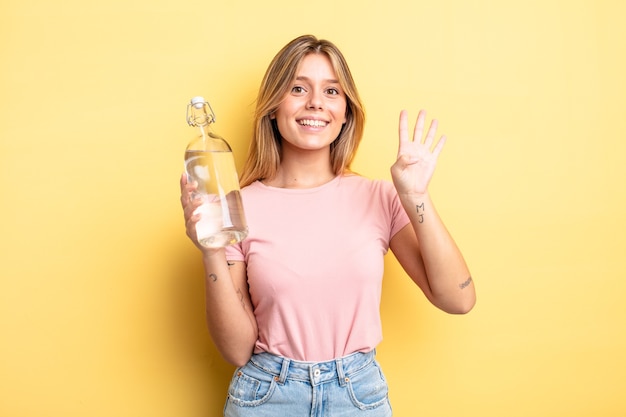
[
  {"x": 342, "y": 110},
  {"x": 281, "y": 125}
]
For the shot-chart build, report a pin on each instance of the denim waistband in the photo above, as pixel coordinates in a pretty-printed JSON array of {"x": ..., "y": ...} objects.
[{"x": 313, "y": 372}]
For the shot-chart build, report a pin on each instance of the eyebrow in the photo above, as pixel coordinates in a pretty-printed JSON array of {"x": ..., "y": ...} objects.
[{"x": 303, "y": 78}]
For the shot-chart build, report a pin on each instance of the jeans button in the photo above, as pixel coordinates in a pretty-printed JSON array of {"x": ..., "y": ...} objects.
[{"x": 316, "y": 373}]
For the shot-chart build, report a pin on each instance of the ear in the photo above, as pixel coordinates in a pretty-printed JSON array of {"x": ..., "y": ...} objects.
[{"x": 272, "y": 116}]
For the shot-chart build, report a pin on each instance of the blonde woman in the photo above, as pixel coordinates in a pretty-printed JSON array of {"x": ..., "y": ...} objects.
[{"x": 295, "y": 306}]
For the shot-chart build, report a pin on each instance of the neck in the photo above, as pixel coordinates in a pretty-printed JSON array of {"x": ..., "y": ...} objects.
[{"x": 303, "y": 171}]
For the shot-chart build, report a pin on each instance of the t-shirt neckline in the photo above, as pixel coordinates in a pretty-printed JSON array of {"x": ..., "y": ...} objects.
[{"x": 300, "y": 190}]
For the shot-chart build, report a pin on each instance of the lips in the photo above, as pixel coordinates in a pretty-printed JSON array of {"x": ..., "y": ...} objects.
[{"x": 312, "y": 122}]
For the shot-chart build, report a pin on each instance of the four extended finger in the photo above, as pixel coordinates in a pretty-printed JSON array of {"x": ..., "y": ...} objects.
[
  {"x": 419, "y": 127},
  {"x": 403, "y": 127},
  {"x": 439, "y": 146},
  {"x": 432, "y": 131}
]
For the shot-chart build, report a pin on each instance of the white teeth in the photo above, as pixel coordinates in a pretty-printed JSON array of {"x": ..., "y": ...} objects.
[{"x": 313, "y": 123}]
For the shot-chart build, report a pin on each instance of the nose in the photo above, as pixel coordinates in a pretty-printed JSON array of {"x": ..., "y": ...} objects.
[{"x": 315, "y": 100}]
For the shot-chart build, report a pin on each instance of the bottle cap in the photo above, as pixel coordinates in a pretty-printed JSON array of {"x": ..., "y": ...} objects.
[{"x": 198, "y": 102}]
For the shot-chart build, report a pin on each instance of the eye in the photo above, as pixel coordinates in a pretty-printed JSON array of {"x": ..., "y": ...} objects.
[
  {"x": 333, "y": 91},
  {"x": 297, "y": 89}
]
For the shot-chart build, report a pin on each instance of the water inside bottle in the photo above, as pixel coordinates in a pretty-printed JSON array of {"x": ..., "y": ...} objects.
[{"x": 222, "y": 220}]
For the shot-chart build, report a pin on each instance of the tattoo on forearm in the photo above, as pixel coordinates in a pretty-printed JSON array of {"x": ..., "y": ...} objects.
[
  {"x": 240, "y": 294},
  {"x": 213, "y": 277},
  {"x": 466, "y": 283},
  {"x": 420, "y": 210}
]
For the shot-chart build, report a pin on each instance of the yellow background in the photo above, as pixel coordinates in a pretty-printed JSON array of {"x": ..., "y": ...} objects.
[{"x": 101, "y": 294}]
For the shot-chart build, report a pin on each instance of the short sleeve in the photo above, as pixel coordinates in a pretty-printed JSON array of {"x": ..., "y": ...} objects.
[{"x": 235, "y": 252}]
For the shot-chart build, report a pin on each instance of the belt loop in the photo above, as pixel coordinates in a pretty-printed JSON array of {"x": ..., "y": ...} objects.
[
  {"x": 340, "y": 374},
  {"x": 283, "y": 371}
]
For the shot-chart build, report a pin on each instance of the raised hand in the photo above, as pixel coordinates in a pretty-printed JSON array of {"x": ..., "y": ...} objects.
[{"x": 412, "y": 171}]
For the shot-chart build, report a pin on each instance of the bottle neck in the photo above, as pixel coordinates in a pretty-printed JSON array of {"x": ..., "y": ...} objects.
[
  {"x": 200, "y": 115},
  {"x": 201, "y": 119}
]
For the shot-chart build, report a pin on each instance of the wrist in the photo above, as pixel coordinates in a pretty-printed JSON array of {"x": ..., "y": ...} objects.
[
  {"x": 418, "y": 206},
  {"x": 210, "y": 255},
  {"x": 412, "y": 199}
]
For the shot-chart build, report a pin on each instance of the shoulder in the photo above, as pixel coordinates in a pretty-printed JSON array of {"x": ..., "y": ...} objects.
[
  {"x": 253, "y": 188},
  {"x": 368, "y": 185}
]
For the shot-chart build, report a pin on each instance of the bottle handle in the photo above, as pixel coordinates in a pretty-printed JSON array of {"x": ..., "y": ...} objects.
[{"x": 199, "y": 104}]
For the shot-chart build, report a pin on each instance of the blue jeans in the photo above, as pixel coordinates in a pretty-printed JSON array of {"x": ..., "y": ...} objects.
[{"x": 274, "y": 386}]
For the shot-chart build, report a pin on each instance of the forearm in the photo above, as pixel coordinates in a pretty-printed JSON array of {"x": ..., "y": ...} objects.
[
  {"x": 449, "y": 280},
  {"x": 229, "y": 313}
]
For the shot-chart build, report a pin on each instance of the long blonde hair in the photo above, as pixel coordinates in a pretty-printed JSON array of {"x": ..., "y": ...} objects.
[{"x": 265, "y": 149}]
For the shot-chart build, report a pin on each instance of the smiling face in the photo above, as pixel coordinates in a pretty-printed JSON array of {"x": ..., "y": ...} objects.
[{"x": 314, "y": 109}]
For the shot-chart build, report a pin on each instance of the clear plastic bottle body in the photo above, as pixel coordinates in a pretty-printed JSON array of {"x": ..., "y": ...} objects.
[{"x": 209, "y": 162}]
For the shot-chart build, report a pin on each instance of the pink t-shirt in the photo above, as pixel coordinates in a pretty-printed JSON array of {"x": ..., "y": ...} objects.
[{"x": 315, "y": 264}]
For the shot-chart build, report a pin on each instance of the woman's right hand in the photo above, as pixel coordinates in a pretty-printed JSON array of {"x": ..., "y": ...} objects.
[
  {"x": 190, "y": 204},
  {"x": 229, "y": 311}
]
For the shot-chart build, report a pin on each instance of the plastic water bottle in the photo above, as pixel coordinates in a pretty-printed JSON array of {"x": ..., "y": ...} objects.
[{"x": 209, "y": 161}]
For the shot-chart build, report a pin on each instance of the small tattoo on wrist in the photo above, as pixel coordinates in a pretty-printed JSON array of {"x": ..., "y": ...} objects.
[
  {"x": 213, "y": 277},
  {"x": 419, "y": 207}
]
